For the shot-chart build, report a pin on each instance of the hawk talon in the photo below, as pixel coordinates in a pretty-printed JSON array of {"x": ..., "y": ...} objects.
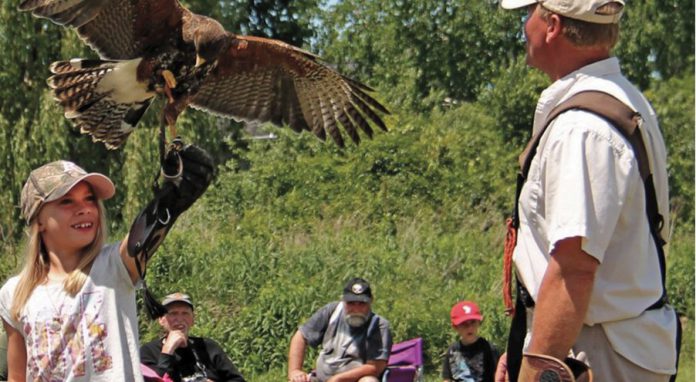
[
  {"x": 172, "y": 131},
  {"x": 169, "y": 78},
  {"x": 168, "y": 93}
]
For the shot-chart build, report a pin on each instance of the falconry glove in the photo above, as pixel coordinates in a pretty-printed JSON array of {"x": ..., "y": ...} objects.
[
  {"x": 186, "y": 173},
  {"x": 543, "y": 368},
  {"x": 187, "y": 170}
]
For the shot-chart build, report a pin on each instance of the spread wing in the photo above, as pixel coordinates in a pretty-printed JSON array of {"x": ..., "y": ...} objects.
[
  {"x": 115, "y": 29},
  {"x": 267, "y": 80}
]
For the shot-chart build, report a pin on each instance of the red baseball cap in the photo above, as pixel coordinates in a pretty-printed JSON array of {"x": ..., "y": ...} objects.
[{"x": 464, "y": 311}]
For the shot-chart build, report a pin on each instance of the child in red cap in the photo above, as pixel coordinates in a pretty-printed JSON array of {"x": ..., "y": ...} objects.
[{"x": 471, "y": 358}]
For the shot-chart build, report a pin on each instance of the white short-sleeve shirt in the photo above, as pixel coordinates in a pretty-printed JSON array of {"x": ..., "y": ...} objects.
[
  {"x": 90, "y": 337},
  {"x": 584, "y": 182}
]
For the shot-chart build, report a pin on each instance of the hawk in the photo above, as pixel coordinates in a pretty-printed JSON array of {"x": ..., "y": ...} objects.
[{"x": 158, "y": 47}]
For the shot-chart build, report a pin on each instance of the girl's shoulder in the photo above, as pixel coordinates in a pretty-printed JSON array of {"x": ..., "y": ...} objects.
[
  {"x": 109, "y": 253},
  {"x": 6, "y": 297},
  {"x": 109, "y": 265},
  {"x": 9, "y": 285}
]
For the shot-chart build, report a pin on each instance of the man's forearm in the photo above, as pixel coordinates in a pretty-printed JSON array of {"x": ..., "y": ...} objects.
[
  {"x": 563, "y": 299},
  {"x": 166, "y": 363},
  {"x": 296, "y": 353}
]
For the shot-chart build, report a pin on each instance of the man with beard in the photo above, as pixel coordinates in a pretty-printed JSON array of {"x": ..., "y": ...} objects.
[{"x": 355, "y": 342}]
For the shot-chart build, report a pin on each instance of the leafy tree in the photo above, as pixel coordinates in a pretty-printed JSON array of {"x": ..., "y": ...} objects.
[
  {"x": 657, "y": 40},
  {"x": 671, "y": 100},
  {"x": 421, "y": 48},
  {"x": 511, "y": 98},
  {"x": 285, "y": 20}
]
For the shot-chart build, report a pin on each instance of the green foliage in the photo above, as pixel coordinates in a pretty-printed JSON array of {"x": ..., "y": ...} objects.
[
  {"x": 285, "y": 20},
  {"x": 670, "y": 99},
  {"x": 657, "y": 40},
  {"x": 511, "y": 98},
  {"x": 686, "y": 361},
  {"x": 417, "y": 211},
  {"x": 421, "y": 48}
]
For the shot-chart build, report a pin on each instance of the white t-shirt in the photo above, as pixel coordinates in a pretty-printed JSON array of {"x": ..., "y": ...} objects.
[
  {"x": 90, "y": 337},
  {"x": 584, "y": 182}
]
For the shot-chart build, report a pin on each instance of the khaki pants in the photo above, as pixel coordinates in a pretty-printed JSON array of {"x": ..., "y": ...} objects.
[{"x": 607, "y": 365}]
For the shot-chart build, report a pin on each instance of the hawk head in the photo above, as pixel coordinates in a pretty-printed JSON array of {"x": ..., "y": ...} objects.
[{"x": 211, "y": 41}]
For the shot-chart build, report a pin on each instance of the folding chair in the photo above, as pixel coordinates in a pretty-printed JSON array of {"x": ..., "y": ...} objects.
[
  {"x": 405, "y": 362},
  {"x": 151, "y": 376}
]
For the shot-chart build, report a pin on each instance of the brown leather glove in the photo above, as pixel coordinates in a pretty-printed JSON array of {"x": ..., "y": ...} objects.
[{"x": 544, "y": 368}]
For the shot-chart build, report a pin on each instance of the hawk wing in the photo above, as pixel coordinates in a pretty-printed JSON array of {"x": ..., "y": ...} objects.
[
  {"x": 115, "y": 29},
  {"x": 259, "y": 79}
]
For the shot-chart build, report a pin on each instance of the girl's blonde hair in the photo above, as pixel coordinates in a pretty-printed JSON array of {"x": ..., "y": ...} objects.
[{"x": 36, "y": 264}]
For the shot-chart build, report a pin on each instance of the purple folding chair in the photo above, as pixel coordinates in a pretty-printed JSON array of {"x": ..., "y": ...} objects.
[
  {"x": 151, "y": 376},
  {"x": 405, "y": 362}
]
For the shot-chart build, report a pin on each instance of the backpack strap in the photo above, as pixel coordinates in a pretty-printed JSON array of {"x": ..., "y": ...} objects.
[
  {"x": 333, "y": 321},
  {"x": 371, "y": 327},
  {"x": 627, "y": 122}
]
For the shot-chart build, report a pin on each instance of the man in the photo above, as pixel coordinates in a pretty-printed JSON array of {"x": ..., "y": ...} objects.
[
  {"x": 355, "y": 341},
  {"x": 184, "y": 357},
  {"x": 584, "y": 250}
]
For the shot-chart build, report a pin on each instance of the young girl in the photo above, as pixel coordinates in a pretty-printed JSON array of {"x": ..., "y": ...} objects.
[{"x": 71, "y": 313}]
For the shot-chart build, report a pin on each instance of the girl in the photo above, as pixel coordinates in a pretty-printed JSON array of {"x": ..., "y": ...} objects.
[{"x": 70, "y": 314}]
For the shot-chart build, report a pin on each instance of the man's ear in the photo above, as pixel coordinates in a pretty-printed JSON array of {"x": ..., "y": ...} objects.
[{"x": 554, "y": 27}]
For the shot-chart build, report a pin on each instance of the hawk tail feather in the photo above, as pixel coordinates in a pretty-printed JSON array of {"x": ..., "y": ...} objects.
[{"x": 86, "y": 92}]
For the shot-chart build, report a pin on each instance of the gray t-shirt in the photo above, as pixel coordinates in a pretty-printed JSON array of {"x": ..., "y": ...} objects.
[
  {"x": 344, "y": 347},
  {"x": 90, "y": 337}
]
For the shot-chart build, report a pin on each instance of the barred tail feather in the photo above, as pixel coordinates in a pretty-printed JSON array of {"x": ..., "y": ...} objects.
[{"x": 103, "y": 98}]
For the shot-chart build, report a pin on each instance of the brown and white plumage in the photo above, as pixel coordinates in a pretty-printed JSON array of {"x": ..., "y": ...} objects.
[{"x": 243, "y": 77}]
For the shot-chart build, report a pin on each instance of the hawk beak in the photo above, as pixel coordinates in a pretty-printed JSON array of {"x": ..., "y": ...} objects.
[{"x": 199, "y": 60}]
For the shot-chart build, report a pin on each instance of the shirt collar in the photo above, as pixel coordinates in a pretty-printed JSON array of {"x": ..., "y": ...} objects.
[{"x": 560, "y": 89}]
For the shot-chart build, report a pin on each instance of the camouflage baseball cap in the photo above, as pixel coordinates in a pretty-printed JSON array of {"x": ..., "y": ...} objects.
[{"x": 53, "y": 180}]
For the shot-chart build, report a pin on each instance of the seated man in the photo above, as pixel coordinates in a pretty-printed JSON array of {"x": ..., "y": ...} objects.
[
  {"x": 355, "y": 341},
  {"x": 184, "y": 357}
]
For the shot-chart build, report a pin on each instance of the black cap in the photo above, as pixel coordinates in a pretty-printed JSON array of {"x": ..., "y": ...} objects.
[{"x": 357, "y": 289}]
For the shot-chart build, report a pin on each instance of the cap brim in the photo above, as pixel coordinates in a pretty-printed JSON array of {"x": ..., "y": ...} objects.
[
  {"x": 167, "y": 302},
  {"x": 101, "y": 185},
  {"x": 514, "y": 4},
  {"x": 460, "y": 320},
  {"x": 356, "y": 297}
]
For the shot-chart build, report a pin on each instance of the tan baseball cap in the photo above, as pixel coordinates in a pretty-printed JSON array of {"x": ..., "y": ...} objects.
[
  {"x": 53, "y": 180},
  {"x": 177, "y": 297},
  {"x": 585, "y": 10}
]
